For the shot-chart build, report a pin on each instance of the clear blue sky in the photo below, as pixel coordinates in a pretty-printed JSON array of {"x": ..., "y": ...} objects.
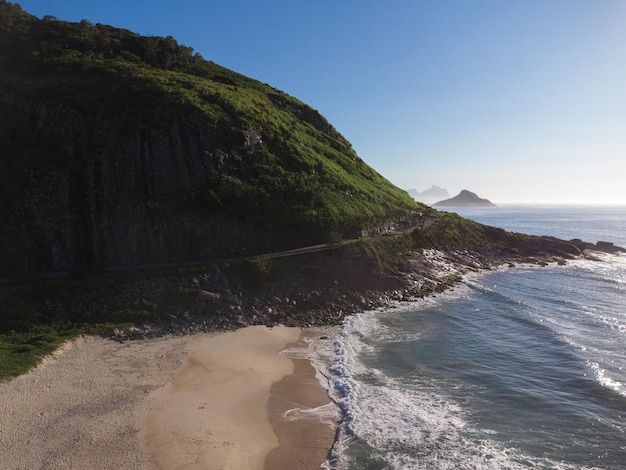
[{"x": 518, "y": 101}]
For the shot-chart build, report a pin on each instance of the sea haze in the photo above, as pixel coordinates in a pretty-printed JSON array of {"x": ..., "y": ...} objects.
[{"x": 518, "y": 368}]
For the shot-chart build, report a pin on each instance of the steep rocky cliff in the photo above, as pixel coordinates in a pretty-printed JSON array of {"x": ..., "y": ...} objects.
[{"x": 118, "y": 149}]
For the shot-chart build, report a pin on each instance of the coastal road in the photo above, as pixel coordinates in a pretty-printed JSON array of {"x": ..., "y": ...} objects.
[{"x": 425, "y": 222}]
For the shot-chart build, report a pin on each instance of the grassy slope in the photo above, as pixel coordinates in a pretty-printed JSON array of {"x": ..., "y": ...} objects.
[{"x": 132, "y": 81}]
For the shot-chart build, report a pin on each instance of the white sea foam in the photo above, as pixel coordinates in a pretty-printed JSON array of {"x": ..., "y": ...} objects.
[
  {"x": 294, "y": 353},
  {"x": 408, "y": 427},
  {"x": 318, "y": 348},
  {"x": 399, "y": 424},
  {"x": 327, "y": 414},
  {"x": 604, "y": 377}
]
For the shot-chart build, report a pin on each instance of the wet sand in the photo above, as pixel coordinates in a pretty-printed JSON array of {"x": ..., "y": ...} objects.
[
  {"x": 225, "y": 407},
  {"x": 302, "y": 417}
]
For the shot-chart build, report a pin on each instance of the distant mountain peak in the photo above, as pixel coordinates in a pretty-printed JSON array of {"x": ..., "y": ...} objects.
[
  {"x": 465, "y": 199},
  {"x": 433, "y": 194}
]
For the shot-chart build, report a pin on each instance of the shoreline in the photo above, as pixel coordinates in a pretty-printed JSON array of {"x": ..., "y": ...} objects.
[
  {"x": 226, "y": 406},
  {"x": 302, "y": 415},
  {"x": 170, "y": 403}
]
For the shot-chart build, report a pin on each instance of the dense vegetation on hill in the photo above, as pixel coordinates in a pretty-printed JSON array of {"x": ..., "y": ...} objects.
[{"x": 121, "y": 149}]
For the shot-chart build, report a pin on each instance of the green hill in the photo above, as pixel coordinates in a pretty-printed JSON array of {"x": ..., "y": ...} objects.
[{"x": 120, "y": 149}]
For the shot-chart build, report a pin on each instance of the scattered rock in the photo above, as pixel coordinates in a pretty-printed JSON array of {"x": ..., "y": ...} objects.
[
  {"x": 205, "y": 296},
  {"x": 230, "y": 298},
  {"x": 324, "y": 292}
]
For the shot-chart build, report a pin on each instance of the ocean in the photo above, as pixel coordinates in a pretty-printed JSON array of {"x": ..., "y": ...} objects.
[{"x": 515, "y": 368}]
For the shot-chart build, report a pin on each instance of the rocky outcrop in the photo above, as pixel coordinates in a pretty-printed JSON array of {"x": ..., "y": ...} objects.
[
  {"x": 536, "y": 246},
  {"x": 600, "y": 246}
]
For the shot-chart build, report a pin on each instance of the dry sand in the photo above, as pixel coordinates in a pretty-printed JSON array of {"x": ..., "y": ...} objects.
[
  {"x": 86, "y": 408},
  {"x": 195, "y": 402}
]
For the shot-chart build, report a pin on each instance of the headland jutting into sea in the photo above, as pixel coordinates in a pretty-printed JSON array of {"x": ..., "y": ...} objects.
[{"x": 302, "y": 290}]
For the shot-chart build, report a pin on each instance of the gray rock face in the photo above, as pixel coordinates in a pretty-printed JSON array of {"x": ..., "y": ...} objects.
[{"x": 129, "y": 199}]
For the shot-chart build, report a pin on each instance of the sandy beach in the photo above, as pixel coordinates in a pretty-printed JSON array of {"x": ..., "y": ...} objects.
[{"x": 210, "y": 401}]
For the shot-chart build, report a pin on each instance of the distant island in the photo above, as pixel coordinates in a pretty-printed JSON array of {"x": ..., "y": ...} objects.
[
  {"x": 429, "y": 196},
  {"x": 465, "y": 199}
]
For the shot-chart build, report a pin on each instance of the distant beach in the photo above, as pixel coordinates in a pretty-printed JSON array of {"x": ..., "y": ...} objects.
[{"x": 169, "y": 403}]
